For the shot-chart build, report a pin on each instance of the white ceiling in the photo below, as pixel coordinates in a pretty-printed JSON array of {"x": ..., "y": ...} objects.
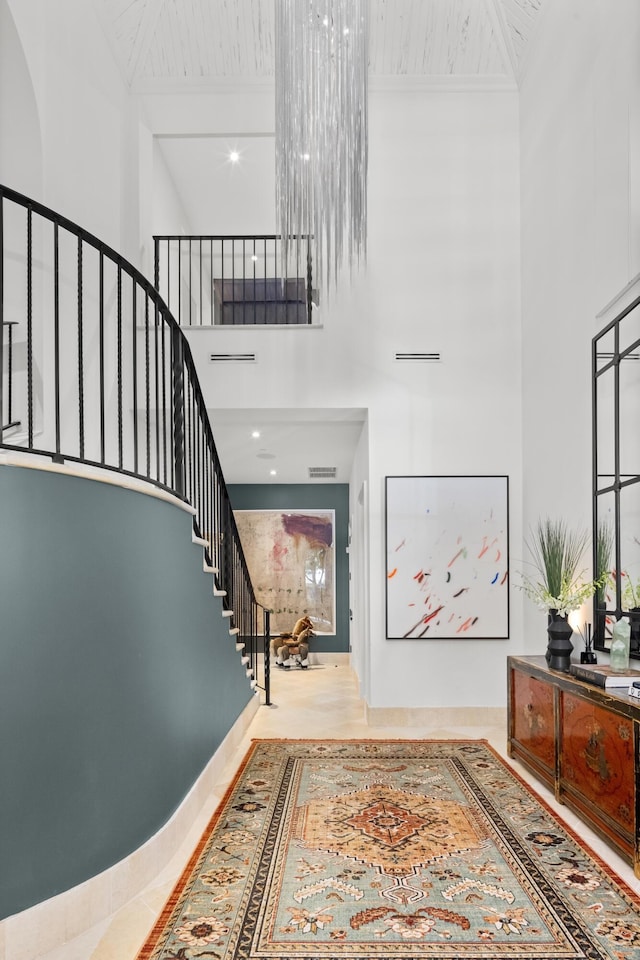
[
  {"x": 290, "y": 442},
  {"x": 156, "y": 41},
  {"x": 167, "y": 46}
]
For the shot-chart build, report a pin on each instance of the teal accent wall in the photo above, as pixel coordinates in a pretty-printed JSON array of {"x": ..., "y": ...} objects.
[
  {"x": 310, "y": 496},
  {"x": 118, "y": 677}
]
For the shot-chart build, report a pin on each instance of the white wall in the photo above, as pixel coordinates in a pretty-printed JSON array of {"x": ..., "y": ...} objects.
[
  {"x": 580, "y": 154},
  {"x": 88, "y": 120},
  {"x": 168, "y": 212},
  {"x": 20, "y": 169},
  {"x": 234, "y": 198},
  {"x": 75, "y": 121},
  {"x": 444, "y": 226},
  {"x": 442, "y": 274},
  {"x": 231, "y": 199},
  {"x": 359, "y": 570},
  {"x": 20, "y": 144}
]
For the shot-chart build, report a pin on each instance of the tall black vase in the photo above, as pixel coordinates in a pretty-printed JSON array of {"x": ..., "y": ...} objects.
[
  {"x": 634, "y": 620},
  {"x": 559, "y": 647}
]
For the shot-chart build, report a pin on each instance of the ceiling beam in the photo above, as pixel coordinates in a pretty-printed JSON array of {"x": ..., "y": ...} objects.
[
  {"x": 144, "y": 37},
  {"x": 503, "y": 37}
]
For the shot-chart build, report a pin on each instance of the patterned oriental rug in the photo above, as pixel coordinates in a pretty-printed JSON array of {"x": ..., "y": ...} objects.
[{"x": 390, "y": 849}]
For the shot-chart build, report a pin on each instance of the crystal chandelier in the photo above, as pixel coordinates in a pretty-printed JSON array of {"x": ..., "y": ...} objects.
[{"x": 321, "y": 128}]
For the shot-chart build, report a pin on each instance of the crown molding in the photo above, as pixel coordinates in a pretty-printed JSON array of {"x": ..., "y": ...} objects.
[
  {"x": 377, "y": 84},
  {"x": 464, "y": 83}
]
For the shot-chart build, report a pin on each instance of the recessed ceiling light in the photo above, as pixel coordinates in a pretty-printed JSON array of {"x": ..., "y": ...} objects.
[
  {"x": 234, "y": 156},
  {"x": 273, "y": 472},
  {"x": 255, "y": 434},
  {"x": 254, "y": 257}
]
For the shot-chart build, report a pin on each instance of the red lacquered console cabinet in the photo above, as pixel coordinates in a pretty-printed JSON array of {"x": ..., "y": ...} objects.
[{"x": 581, "y": 741}]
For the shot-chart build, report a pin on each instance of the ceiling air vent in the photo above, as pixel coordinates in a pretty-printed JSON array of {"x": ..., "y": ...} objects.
[
  {"x": 322, "y": 473},
  {"x": 420, "y": 357},
  {"x": 232, "y": 358}
]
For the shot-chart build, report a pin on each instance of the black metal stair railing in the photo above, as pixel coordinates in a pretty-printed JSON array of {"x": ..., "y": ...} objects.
[
  {"x": 235, "y": 280},
  {"x": 6, "y": 400},
  {"x": 95, "y": 369}
]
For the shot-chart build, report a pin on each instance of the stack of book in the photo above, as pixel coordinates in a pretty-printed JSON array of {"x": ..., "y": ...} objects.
[{"x": 603, "y": 676}]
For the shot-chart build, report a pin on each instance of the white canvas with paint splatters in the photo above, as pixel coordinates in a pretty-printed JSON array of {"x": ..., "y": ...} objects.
[{"x": 447, "y": 558}]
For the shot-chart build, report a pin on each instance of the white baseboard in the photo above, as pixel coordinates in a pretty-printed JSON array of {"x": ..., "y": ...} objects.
[{"x": 343, "y": 659}]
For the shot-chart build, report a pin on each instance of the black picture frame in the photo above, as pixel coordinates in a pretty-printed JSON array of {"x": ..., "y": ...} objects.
[{"x": 447, "y": 557}]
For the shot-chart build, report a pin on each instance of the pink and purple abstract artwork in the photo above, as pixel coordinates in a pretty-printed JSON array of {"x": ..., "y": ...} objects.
[
  {"x": 447, "y": 556},
  {"x": 291, "y": 559}
]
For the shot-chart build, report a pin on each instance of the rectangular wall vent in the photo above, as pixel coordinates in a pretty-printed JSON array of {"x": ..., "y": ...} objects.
[
  {"x": 322, "y": 473},
  {"x": 232, "y": 358},
  {"x": 420, "y": 357}
]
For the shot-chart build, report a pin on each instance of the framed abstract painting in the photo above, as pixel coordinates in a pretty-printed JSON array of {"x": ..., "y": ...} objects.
[
  {"x": 447, "y": 558},
  {"x": 291, "y": 559}
]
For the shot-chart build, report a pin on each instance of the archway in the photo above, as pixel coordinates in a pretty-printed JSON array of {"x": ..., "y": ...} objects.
[{"x": 20, "y": 140}]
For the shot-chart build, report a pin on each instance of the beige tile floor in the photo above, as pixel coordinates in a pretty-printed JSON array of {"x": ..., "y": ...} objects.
[{"x": 320, "y": 702}]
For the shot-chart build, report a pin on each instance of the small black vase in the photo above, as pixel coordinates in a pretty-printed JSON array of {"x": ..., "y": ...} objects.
[{"x": 559, "y": 647}]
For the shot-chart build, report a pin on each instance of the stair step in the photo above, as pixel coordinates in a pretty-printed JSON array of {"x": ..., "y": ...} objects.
[
  {"x": 254, "y": 684},
  {"x": 207, "y": 568},
  {"x": 227, "y": 613},
  {"x": 234, "y": 631},
  {"x": 219, "y": 593},
  {"x": 245, "y": 661},
  {"x": 200, "y": 541},
  {"x": 240, "y": 646}
]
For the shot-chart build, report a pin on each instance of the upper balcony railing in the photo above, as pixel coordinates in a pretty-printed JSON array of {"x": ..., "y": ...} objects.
[
  {"x": 95, "y": 369},
  {"x": 233, "y": 281}
]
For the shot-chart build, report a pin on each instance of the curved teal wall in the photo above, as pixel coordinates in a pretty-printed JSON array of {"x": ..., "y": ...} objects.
[{"x": 118, "y": 677}]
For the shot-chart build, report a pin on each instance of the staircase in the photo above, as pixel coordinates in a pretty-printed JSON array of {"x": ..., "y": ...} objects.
[{"x": 95, "y": 370}]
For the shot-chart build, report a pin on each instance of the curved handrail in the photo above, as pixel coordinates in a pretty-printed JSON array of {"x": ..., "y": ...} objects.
[{"x": 107, "y": 378}]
